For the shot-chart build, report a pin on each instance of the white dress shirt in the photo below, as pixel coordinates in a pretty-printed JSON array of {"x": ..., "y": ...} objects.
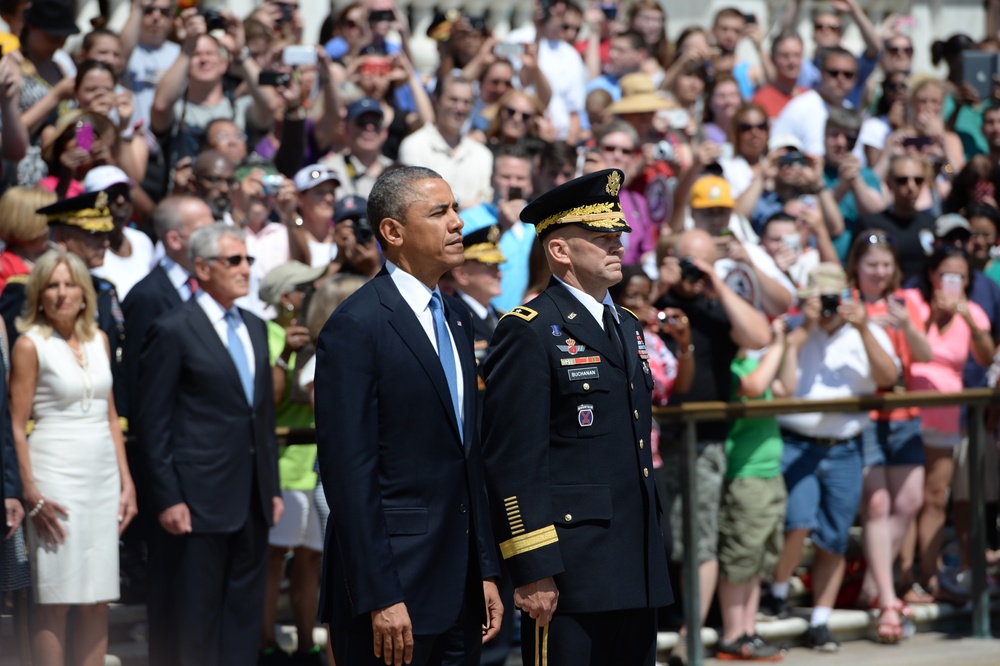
[
  {"x": 418, "y": 297},
  {"x": 177, "y": 276},
  {"x": 593, "y": 306},
  {"x": 217, "y": 316}
]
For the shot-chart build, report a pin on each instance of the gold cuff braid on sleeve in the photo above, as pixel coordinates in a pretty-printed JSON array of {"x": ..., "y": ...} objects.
[{"x": 524, "y": 543}]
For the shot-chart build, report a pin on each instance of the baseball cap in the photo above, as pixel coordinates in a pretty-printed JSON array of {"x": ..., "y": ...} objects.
[
  {"x": 363, "y": 106},
  {"x": 950, "y": 222},
  {"x": 350, "y": 206},
  {"x": 101, "y": 178},
  {"x": 285, "y": 278},
  {"x": 784, "y": 141},
  {"x": 309, "y": 177},
  {"x": 712, "y": 192}
]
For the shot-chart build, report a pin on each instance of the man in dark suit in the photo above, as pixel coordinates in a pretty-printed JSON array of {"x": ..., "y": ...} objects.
[
  {"x": 409, "y": 558},
  {"x": 566, "y": 430},
  {"x": 166, "y": 287},
  {"x": 205, "y": 423},
  {"x": 169, "y": 284}
]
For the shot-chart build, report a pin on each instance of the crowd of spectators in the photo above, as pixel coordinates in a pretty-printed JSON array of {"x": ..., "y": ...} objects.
[{"x": 807, "y": 222}]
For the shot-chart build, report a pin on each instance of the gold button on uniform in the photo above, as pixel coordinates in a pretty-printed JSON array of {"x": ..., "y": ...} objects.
[
  {"x": 586, "y": 386},
  {"x": 641, "y": 443},
  {"x": 568, "y": 517},
  {"x": 645, "y": 471},
  {"x": 636, "y": 414}
]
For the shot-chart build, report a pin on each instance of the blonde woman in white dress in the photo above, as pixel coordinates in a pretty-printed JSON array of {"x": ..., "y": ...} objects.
[{"x": 76, "y": 482}]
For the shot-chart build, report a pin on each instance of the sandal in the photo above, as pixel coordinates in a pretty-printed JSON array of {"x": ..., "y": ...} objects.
[
  {"x": 916, "y": 594},
  {"x": 891, "y": 630}
]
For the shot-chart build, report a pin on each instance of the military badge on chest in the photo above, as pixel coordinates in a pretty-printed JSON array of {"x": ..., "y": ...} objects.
[
  {"x": 571, "y": 347},
  {"x": 585, "y": 415}
]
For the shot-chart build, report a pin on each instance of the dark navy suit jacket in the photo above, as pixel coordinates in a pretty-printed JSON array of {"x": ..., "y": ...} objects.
[{"x": 408, "y": 516}]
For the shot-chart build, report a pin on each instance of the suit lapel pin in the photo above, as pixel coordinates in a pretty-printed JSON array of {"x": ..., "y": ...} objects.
[
  {"x": 459, "y": 323},
  {"x": 571, "y": 315}
]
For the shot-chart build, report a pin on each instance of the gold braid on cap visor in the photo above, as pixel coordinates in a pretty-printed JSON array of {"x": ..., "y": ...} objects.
[{"x": 597, "y": 215}]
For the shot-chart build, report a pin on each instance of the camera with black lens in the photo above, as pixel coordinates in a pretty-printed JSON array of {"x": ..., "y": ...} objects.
[
  {"x": 363, "y": 231},
  {"x": 690, "y": 272},
  {"x": 213, "y": 19},
  {"x": 828, "y": 303}
]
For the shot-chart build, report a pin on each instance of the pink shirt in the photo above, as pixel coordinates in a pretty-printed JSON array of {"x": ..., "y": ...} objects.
[{"x": 943, "y": 373}]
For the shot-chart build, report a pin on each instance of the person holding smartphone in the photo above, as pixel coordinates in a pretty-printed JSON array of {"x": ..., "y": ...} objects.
[{"x": 956, "y": 327}]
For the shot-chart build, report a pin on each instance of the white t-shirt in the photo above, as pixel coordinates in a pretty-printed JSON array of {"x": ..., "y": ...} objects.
[
  {"x": 874, "y": 132},
  {"x": 804, "y": 118},
  {"x": 566, "y": 74},
  {"x": 737, "y": 173},
  {"x": 124, "y": 272},
  {"x": 835, "y": 366}
]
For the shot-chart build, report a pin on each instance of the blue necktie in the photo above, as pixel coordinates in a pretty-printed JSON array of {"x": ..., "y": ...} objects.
[
  {"x": 239, "y": 354},
  {"x": 446, "y": 355}
]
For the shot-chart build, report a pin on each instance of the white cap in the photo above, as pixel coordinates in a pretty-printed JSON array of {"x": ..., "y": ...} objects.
[
  {"x": 309, "y": 177},
  {"x": 784, "y": 141},
  {"x": 101, "y": 178}
]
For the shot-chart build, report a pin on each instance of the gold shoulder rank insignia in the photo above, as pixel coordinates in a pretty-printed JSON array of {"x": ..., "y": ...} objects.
[
  {"x": 18, "y": 279},
  {"x": 634, "y": 315},
  {"x": 527, "y": 314}
]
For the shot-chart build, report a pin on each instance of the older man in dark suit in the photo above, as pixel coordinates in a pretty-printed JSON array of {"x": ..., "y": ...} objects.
[
  {"x": 566, "y": 428},
  {"x": 166, "y": 287},
  {"x": 409, "y": 568},
  {"x": 206, "y": 427}
]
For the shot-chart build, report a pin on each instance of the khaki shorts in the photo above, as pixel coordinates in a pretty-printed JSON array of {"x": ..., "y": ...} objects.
[
  {"x": 991, "y": 470},
  {"x": 751, "y": 528},
  {"x": 711, "y": 470}
]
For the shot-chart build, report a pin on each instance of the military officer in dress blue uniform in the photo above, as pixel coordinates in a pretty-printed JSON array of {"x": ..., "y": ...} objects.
[{"x": 566, "y": 436}]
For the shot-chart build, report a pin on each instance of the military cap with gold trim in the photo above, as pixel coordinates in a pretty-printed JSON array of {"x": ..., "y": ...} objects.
[
  {"x": 482, "y": 245},
  {"x": 88, "y": 212},
  {"x": 589, "y": 201}
]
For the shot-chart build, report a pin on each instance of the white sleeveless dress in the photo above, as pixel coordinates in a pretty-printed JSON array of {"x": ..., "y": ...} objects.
[{"x": 74, "y": 464}]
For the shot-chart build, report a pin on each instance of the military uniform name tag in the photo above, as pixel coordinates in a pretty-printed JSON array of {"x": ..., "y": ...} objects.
[{"x": 578, "y": 374}]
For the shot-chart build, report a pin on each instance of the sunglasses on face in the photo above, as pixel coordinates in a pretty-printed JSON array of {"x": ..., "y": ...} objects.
[
  {"x": 514, "y": 113},
  {"x": 903, "y": 180},
  {"x": 895, "y": 86},
  {"x": 369, "y": 121},
  {"x": 900, "y": 50},
  {"x": 847, "y": 74},
  {"x": 617, "y": 149},
  {"x": 235, "y": 260},
  {"x": 150, "y": 10},
  {"x": 746, "y": 127}
]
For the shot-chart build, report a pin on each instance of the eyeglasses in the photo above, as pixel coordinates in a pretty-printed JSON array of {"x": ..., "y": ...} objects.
[
  {"x": 235, "y": 260},
  {"x": 852, "y": 137},
  {"x": 617, "y": 149},
  {"x": 149, "y": 10},
  {"x": 826, "y": 27},
  {"x": 514, "y": 113},
  {"x": 847, "y": 74},
  {"x": 894, "y": 85},
  {"x": 903, "y": 180},
  {"x": 876, "y": 239},
  {"x": 746, "y": 127},
  {"x": 899, "y": 50}
]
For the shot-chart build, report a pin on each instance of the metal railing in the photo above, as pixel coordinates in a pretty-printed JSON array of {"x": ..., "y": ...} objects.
[{"x": 690, "y": 414}]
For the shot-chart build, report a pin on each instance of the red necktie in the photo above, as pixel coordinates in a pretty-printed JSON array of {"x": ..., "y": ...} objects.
[{"x": 192, "y": 284}]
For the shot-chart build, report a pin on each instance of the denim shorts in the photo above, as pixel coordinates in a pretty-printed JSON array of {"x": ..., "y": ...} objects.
[
  {"x": 889, "y": 443},
  {"x": 824, "y": 489}
]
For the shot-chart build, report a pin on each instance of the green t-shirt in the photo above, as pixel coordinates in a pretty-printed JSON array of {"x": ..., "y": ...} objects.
[
  {"x": 296, "y": 464},
  {"x": 753, "y": 447},
  {"x": 992, "y": 271}
]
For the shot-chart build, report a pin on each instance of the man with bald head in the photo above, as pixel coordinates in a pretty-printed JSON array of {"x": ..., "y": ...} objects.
[
  {"x": 169, "y": 284},
  {"x": 213, "y": 177},
  {"x": 721, "y": 323}
]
